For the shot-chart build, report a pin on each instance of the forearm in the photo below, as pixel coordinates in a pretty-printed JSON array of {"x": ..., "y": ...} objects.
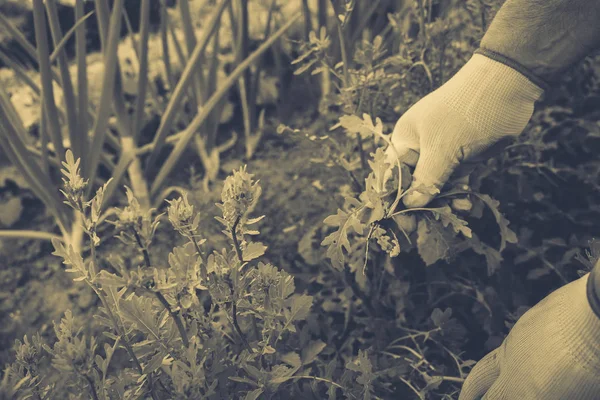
[{"x": 545, "y": 36}]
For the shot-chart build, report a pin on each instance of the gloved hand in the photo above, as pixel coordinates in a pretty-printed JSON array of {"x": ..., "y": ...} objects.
[
  {"x": 552, "y": 352},
  {"x": 483, "y": 103}
]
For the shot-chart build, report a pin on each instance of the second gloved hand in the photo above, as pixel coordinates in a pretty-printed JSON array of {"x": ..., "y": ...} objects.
[
  {"x": 552, "y": 353},
  {"x": 483, "y": 103}
]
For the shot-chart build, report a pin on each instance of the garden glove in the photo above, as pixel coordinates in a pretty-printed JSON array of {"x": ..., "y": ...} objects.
[
  {"x": 483, "y": 103},
  {"x": 552, "y": 353}
]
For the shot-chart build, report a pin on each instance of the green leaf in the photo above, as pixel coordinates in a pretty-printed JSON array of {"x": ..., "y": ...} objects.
[
  {"x": 506, "y": 234},
  {"x": 434, "y": 242},
  {"x": 440, "y": 318},
  {"x": 253, "y": 250},
  {"x": 448, "y": 218},
  {"x": 300, "y": 308},
  {"x": 492, "y": 256},
  {"x": 381, "y": 171},
  {"x": 292, "y": 359},
  {"x": 253, "y": 395},
  {"x": 105, "y": 279},
  {"x": 338, "y": 240},
  {"x": 154, "y": 363},
  {"x": 140, "y": 312},
  {"x": 311, "y": 351},
  {"x": 207, "y": 107}
]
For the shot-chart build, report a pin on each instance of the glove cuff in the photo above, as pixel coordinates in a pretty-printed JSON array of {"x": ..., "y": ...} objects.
[{"x": 514, "y": 65}]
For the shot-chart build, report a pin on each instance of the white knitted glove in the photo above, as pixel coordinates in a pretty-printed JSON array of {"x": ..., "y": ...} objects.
[
  {"x": 552, "y": 353},
  {"x": 484, "y": 102}
]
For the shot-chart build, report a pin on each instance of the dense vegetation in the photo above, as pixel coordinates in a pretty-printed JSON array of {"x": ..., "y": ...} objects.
[{"x": 278, "y": 263}]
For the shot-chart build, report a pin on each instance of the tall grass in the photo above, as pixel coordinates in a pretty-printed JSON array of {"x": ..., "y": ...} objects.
[{"x": 104, "y": 135}]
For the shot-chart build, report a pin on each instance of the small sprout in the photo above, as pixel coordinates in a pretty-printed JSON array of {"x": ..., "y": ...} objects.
[
  {"x": 238, "y": 197},
  {"x": 136, "y": 225},
  {"x": 181, "y": 216},
  {"x": 74, "y": 185}
]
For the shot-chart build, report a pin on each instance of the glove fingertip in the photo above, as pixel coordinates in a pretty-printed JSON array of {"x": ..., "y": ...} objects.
[{"x": 416, "y": 199}]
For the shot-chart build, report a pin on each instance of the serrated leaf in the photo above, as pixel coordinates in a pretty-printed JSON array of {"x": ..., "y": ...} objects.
[
  {"x": 381, "y": 171},
  {"x": 338, "y": 240},
  {"x": 492, "y": 256},
  {"x": 107, "y": 279},
  {"x": 139, "y": 311},
  {"x": 253, "y": 395},
  {"x": 300, "y": 308},
  {"x": 506, "y": 234},
  {"x": 311, "y": 351},
  {"x": 292, "y": 359},
  {"x": 154, "y": 363},
  {"x": 253, "y": 250},
  {"x": 448, "y": 218},
  {"x": 434, "y": 242}
]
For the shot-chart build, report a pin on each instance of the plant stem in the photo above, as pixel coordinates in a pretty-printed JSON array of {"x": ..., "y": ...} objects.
[
  {"x": 92, "y": 387},
  {"x": 175, "y": 315},
  {"x": 238, "y": 251},
  {"x": 203, "y": 271},
  {"x": 236, "y": 244},
  {"x": 343, "y": 50}
]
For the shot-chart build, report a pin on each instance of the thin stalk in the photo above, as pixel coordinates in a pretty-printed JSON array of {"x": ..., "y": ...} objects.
[
  {"x": 108, "y": 83},
  {"x": 44, "y": 142},
  {"x": 175, "y": 315},
  {"x": 180, "y": 90},
  {"x": 16, "y": 151},
  {"x": 238, "y": 252},
  {"x": 190, "y": 40},
  {"x": 164, "y": 38},
  {"x": 58, "y": 48},
  {"x": 25, "y": 234},
  {"x": 92, "y": 387},
  {"x": 43, "y": 57},
  {"x": 20, "y": 72},
  {"x": 211, "y": 103},
  {"x": 138, "y": 115},
  {"x": 307, "y": 19},
  {"x": 340, "y": 31},
  {"x": 82, "y": 82},
  {"x": 68, "y": 92},
  {"x": 203, "y": 271},
  {"x": 138, "y": 48}
]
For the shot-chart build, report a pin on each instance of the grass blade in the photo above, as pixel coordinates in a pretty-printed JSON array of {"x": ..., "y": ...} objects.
[
  {"x": 82, "y": 82},
  {"x": 190, "y": 40},
  {"x": 212, "y": 102},
  {"x": 156, "y": 103},
  {"x": 22, "y": 40},
  {"x": 141, "y": 51},
  {"x": 68, "y": 93},
  {"x": 20, "y": 72},
  {"x": 164, "y": 38},
  {"x": 178, "y": 93},
  {"x": 11, "y": 133},
  {"x": 108, "y": 83},
  {"x": 35, "y": 235},
  {"x": 39, "y": 20},
  {"x": 80, "y": 20}
]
